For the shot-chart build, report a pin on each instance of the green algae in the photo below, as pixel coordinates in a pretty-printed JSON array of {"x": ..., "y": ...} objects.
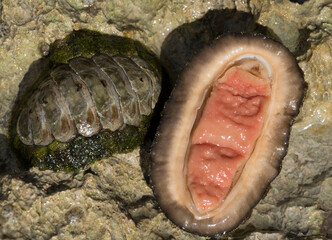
[{"x": 87, "y": 42}]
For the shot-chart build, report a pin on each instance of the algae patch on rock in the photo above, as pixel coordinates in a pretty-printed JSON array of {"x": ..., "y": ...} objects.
[{"x": 96, "y": 98}]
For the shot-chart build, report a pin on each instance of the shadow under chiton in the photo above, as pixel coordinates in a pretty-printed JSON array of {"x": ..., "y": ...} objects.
[
  {"x": 224, "y": 132},
  {"x": 96, "y": 99}
]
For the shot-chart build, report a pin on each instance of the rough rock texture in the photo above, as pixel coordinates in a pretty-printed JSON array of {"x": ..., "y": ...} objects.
[{"x": 111, "y": 199}]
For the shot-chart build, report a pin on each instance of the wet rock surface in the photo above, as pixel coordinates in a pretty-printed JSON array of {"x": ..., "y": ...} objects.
[{"x": 111, "y": 198}]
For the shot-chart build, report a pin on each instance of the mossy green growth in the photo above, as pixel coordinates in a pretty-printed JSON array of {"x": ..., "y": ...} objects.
[
  {"x": 82, "y": 151},
  {"x": 87, "y": 42}
]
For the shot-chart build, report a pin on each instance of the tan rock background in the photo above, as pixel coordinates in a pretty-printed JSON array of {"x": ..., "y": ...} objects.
[{"x": 111, "y": 199}]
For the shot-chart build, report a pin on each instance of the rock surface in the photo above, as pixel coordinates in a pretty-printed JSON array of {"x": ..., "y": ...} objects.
[{"x": 111, "y": 199}]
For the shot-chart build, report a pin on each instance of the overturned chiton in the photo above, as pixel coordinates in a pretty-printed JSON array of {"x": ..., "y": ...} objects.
[{"x": 224, "y": 132}]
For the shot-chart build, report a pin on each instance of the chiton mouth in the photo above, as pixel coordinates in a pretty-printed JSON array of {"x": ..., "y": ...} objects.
[{"x": 224, "y": 132}]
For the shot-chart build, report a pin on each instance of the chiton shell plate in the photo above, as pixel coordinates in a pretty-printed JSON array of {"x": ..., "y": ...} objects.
[
  {"x": 96, "y": 98},
  {"x": 224, "y": 132},
  {"x": 87, "y": 95}
]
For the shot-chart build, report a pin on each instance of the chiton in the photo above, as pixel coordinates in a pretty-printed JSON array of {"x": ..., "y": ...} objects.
[
  {"x": 96, "y": 99},
  {"x": 224, "y": 132}
]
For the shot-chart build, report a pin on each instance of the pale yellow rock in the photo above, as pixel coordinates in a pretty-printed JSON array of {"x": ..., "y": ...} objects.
[{"x": 112, "y": 200}]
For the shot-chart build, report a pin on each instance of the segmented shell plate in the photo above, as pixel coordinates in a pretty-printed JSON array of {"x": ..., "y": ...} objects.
[{"x": 87, "y": 95}]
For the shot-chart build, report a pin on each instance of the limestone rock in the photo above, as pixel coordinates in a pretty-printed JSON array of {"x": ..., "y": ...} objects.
[{"x": 111, "y": 199}]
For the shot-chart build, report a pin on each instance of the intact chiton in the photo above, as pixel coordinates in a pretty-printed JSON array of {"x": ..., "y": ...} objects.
[
  {"x": 224, "y": 132},
  {"x": 95, "y": 103}
]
